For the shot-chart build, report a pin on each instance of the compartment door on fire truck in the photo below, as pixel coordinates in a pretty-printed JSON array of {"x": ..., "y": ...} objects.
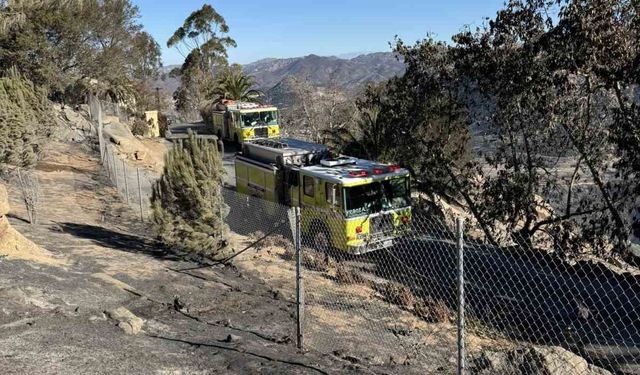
[{"x": 308, "y": 191}]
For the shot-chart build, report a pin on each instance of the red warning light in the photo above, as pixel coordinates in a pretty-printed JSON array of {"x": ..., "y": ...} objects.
[{"x": 358, "y": 173}]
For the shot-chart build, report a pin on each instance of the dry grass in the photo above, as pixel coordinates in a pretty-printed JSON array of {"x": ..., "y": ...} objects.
[
  {"x": 279, "y": 241},
  {"x": 397, "y": 294},
  {"x": 432, "y": 310},
  {"x": 315, "y": 260},
  {"x": 13, "y": 245},
  {"x": 30, "y": 188},
  {"x": 348, "y": 276}
]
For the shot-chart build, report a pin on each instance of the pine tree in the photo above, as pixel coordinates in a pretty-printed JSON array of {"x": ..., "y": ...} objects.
[
  {"x": 26, "y": 120},
  {"x": 188, "y": 207}
]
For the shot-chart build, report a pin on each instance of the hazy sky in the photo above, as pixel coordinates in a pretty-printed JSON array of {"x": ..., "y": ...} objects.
[{"x": 289, "y": 28}]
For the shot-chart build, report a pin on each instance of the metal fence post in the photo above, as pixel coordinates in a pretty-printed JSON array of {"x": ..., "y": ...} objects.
[
  {"x": 140, "y": 194},
  {"x": 100, "y": 128},
  {"x": 115, "y": 172},
  {"x": 126, "y": 184},
  {"x": 299, "y": 285},
  {"x": 462, "y": 354},
  {"x": 104, "y": 161},
  {"x": 109, "y": 159}
]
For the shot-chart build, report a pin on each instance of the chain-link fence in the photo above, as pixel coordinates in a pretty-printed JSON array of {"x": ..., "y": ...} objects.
[
  {"x": 398, "y": 308},
  {"x": 134, "y": 184},
  {"x": 421, "y": 298},
  {"x": 403, "y": 292},
  {"x": 434, "y": 301}
]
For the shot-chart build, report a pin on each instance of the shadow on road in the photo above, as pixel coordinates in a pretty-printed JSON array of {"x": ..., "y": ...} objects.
[{"x": 523, "y": 295}]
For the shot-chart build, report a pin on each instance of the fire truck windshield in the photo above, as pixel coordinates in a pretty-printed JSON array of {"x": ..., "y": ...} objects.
[
  {"x": 259, "y": 118},
  {"x": 377, "y": 196}
]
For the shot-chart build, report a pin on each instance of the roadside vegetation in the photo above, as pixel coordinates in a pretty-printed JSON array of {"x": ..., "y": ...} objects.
[
  {"x": 188, "y": 207},
  {"x": 67, "y": 52},
  {"x": 26, "y": 120},
  {"x": 528, "y": 123}
]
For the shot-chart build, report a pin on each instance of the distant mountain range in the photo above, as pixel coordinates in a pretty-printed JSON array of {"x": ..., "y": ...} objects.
[
  {"x": 346, "y": 73},
  {"x": 324, "y": 70}
]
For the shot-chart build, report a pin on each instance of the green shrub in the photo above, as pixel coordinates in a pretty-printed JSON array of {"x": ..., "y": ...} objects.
[
  {"x": 26, "y": 120},
  {"x": 188, "y": 207},
  {"x": 163, "y": 124},
  {"x": 139, "y": 127}
]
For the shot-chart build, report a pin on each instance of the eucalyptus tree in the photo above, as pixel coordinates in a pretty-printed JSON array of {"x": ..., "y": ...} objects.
[{"x": 203, "y": 42}]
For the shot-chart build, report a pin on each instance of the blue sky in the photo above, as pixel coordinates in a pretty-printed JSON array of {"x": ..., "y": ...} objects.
[{"x": 289, "y": 28}]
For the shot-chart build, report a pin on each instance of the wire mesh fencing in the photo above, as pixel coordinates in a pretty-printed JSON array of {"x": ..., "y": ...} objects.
[
  {"x": 418, "y": 298},
  {"x": 133, "y": 184},
  {"x": 390, "y": 290},
  {"x": 401, "y": 291}
]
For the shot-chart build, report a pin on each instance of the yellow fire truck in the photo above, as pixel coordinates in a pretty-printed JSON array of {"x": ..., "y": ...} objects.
[
  {"x": 351, "y": 204},
  {"x": 241, "y": 121}
]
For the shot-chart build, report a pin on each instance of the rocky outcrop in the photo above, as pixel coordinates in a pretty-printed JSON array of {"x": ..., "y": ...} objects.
[
  {"x": 534, "y": 360},
  {"x": 127, "y": 321},
  {"x": 126, "y": 143},
  {"x": 73, "y": 124}
]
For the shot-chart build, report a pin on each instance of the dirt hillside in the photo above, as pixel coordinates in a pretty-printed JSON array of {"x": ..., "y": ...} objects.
[
  {"x": 105, "y": 298},
  {"x": 14, "y": 245}
]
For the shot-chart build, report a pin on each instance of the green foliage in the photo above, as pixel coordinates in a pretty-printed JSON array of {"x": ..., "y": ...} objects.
[
  {"x": 188, "y": 207},
  {"x": 163, "y": 124},
  {"x": 560, "y": 87},
  {"x": 421, "y": 111},
  {"x": 139, "y": 127},
  {"x": 233, "y": 84},
  {"x": 203, "y": 41},
  {"x": 370, "y": 135},
  {"x": 553, "y": 86},
  {"x": 71, "y": 46},
  {"x": 26, "y": 120},
  {"x": 204, "y": 31}
]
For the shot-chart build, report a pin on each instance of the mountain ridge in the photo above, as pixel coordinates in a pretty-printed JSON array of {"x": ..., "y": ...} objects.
[{"x": 346, "y": 73}]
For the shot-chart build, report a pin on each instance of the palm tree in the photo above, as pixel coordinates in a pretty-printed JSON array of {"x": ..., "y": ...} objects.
[{"x": 233, "y": 84}]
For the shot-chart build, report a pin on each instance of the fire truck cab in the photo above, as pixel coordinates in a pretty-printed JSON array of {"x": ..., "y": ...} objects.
[
  {"x": 241, "y": 121},
  {"x": 351, "y": 204}
]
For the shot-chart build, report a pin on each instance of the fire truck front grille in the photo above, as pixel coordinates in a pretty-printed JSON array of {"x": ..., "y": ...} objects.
[
  {"x": 261, "y": 132},
  {"x": 381, "y": 225}
]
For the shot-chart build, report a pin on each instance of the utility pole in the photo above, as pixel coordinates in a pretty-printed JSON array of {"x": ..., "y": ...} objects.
[{"x": 158, "y": 98}]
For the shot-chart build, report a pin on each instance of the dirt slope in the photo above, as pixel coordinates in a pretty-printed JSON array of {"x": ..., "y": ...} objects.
[{"x": 61, "y": 317}]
